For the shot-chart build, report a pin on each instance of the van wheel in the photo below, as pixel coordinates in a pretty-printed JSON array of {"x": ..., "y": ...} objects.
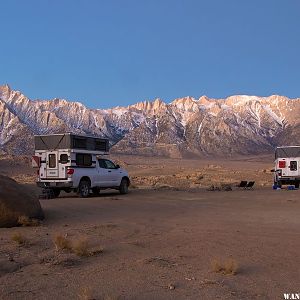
[
  {"x": 84, "y": 189},
  {"x": 56, "y": 192},
  {"x": 123, "y": 186},
  {"x": 96, "y": 191}
]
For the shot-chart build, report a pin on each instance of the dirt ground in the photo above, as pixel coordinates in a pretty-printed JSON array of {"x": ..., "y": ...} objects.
[{"x": 162, "y": 240}]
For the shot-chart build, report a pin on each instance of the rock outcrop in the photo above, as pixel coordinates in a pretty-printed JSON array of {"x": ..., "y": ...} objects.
[{"x": 17, "y": 201}]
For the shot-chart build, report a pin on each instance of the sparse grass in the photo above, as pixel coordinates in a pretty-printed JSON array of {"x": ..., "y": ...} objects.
[
  {"x": 26, "y": 221},
  {"x": 85, "y": 293},
  {"x": 18, "y": 238},
  {"x": 62, "y": 243},
  {"x": 228, "y": 267},
  {"x": 79, "y": 247},
  {"x": 216, "y": 265}
]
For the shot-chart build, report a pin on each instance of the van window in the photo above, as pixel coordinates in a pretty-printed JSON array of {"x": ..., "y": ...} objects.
[
  {"x": 63, "y": 159},
  {"x": 52, "y": 160},
  {"x": 83, "y": 159}
]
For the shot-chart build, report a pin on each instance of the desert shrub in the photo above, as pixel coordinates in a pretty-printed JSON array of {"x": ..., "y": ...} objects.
[
  {"x": 228, "y": 267},
  {"x": 26, "y": 221},
  {"x": 85, "y": 293},
  {"x": 216, "y": 265},
  {"x": 18, "y": 238},
  {"x": 61, "y": 242},
  {"x": 80, "y": 247}
]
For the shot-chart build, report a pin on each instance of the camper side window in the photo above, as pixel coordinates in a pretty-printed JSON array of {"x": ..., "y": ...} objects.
[
  {"x": 63, "y": 159},
  {"x": 79, "y": 143},
  {"x": 83, "y": 159},
  {"x": 100, "y": 145}
]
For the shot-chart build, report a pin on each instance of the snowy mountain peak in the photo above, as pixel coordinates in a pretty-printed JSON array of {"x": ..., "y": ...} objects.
[
  {"x": 238, "y": 124},
  {"x": 149, "y": 106}
]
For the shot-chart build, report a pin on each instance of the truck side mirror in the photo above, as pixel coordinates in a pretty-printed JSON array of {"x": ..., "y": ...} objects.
[
  {"x": 117, "y": 166},
  {"x": 272, "y": 170}
]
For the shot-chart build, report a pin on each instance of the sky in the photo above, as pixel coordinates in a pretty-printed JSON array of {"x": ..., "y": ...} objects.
[{"x": 119, "y": 52}]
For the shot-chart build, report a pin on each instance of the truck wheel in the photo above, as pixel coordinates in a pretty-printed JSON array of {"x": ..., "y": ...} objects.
[
  {"x": 279, "y": 184},
  {"x": 96, "y": 191},
  {"x": 123, "y": 186},
  {"x": 56, "y": 192},
  {"x": 84, "y": 189}
]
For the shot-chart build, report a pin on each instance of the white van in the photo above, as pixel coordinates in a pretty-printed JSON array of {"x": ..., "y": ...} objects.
[
  {"x": 77, "y": 163},
  {"x": 287, "y": 161}
]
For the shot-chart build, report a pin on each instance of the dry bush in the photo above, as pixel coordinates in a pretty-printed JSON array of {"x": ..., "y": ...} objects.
[
  {"x": 85, "y": 293},
  {"x": 80, "y": 247},
  {"x": 228, "y": 267},
  {"x": 26, "y": 221},
  {"x": 62, "y": 243},
  {"x": 18, "y": 238},
  {"x": 216, "y": 265}
]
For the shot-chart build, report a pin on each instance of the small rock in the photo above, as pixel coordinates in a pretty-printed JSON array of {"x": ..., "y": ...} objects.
[{"x": 171, "y": 287}]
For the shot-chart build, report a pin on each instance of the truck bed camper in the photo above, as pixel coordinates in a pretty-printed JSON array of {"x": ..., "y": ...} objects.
[{"x": 76, "y": 162}]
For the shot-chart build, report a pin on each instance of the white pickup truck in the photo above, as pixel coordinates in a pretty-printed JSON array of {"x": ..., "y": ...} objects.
[{"x": 77, "y": 163}]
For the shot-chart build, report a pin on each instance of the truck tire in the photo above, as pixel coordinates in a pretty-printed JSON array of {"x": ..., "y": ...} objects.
[
  {"x": 56, "y": 192},
  {"x": 84, "y": 189},
  {"x": 279, "y": 184},
  {"x": 123, "y": 186}
]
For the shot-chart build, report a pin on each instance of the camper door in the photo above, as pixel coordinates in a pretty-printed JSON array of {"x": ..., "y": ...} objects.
[
  {"x": 64, "y": 161},
  {"x": 52, "y": 164}
]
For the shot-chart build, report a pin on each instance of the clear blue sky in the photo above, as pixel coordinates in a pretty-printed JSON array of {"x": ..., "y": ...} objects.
[{"x": 108, "y": 53}]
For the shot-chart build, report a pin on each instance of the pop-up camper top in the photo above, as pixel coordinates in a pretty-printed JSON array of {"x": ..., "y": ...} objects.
[{"x": 70, "y": 141}]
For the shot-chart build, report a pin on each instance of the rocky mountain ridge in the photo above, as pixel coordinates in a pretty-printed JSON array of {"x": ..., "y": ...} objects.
[{"x": 185, "y": 127}]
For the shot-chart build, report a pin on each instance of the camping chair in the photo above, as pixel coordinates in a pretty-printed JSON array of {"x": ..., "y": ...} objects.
[
  {"x": 242, "y": 184},
  {"x": 249, "y": 185}
]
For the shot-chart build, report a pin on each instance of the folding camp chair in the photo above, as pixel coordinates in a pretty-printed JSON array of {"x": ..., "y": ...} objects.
[
  {"x": 249, "y": 185},
  {"x": 242, "y": 184}
]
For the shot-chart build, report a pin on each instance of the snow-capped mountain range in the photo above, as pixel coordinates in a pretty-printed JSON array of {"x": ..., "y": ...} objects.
[{"x": 187, "y": 126}]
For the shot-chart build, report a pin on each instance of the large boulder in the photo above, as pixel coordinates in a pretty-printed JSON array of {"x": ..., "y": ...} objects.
[{"x": 17, "y": 200}]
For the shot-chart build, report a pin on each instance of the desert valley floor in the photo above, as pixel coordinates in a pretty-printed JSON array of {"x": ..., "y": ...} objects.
[{"x": 163, "y": 240}]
